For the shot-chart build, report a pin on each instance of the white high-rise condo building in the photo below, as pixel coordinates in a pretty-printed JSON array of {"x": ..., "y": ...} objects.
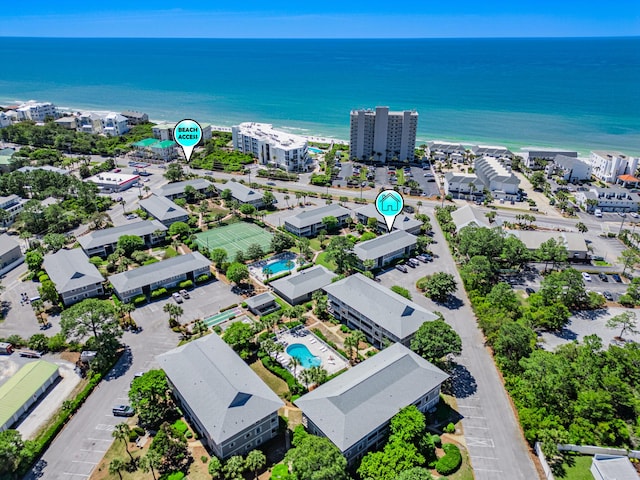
[
  {"x": 608, "y": 165},
  {"x": 37, "y": 112},
  {"x": 271, "y": 147},
  {"x": 382, "y": 135}
]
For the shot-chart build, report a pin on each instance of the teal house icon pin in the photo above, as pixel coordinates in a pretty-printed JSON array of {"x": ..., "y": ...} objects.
[{"x": 389, "y": 204}]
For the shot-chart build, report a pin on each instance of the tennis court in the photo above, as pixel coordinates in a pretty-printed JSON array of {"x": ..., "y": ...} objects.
[{"x": 235, "y": 237}]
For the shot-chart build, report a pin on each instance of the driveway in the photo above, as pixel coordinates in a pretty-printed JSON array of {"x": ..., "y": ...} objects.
[{"x": 495, "y": 442}]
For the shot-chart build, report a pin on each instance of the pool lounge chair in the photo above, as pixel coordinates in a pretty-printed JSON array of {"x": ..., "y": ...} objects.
[{"x": 312, "y": 340}]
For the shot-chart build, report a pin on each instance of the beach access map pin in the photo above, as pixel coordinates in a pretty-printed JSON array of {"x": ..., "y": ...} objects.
[
  {"x": 187, "y": 134},
  {"x": 389, "y": 204}
]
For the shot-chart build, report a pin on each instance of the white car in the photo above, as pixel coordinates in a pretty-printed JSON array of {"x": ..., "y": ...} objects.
[
  {"x": 633, "y": 214},
  {"x": 586, "y": 276}
]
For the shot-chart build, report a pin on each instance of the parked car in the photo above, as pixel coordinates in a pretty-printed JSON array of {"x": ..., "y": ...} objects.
[
  {"x": 117, "y": 170},
  {"x": 122, "y": 411},
  {"x": 176, "y": 296},
  {"x": 422, "y": 258},
  {"x": 29, "y": 354},
  {"x": 616, "y": 277},
  {"x": 414, "y": 261},
  {"x": 136, "y": 375},
  {"x": 598, "y": 213},
  {"x": 402, "y": 268},
  {"x": 622, "y": 214},
  {"x": 410, "y": 263},
  {"x": 185, "y": 294},
  {"x": 529, "y": 290},
  {"x": 603, "y": 277},
  {"x": 586, "y": 276},
  {"x": 131, "y": 216},
  {"x": 634, "y": 215},
  {"x": 606, "y": 294}
]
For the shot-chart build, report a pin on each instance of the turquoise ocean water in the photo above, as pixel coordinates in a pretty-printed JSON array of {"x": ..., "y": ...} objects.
[{"x": 578, "y": 93}]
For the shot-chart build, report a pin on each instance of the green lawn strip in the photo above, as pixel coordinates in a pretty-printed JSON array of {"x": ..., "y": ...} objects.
[
  {"x": 322, "y": 260},
  {"x": 276, "y": 384}
]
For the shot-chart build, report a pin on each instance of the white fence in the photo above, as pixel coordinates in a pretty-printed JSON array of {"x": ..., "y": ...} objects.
[
  {"x": 543, "y": 461},
  {"x": 591, "y": 450}
]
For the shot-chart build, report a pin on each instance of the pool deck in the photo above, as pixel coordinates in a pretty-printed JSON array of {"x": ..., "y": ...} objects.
[
  {"x": 332, "y": 362},
  {"x": 255, "y": 269}
]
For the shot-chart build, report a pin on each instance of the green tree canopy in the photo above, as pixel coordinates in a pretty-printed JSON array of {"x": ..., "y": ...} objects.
[
  {"x": 180, "y": 229},
  {"x": 435, "y": 340},
  {"x": 130, "y": 244},
  {"x": 174, "y": 172},
  {"x": 473, "y": 241},
  {"x": 90, "y": 317},
  {"x": 218, "y": 256},
  {"x": 150, "y": 396},
  {"x": 237, "y": 272},
  {"x": 239, "y": 336},
  {"x": 316, "y": 458},
  {"x": 340, "y": 250},
  {"x": 281, "y": 242},
  {"x": 439, "y": 286}
]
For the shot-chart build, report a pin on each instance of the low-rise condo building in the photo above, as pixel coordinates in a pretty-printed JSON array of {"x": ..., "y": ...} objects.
[
  {"x": 104, "y": 242},
  {"x": 497, "y": 178},
  {"x": 135, "y": 117},
  {"x": 271, "y": 147},
  {"x": 73, "y": 275},
  {"x": 381, "y": 314},
  {"x": 401, "y": 222},
  {"x": 10, "y": 253},
  {"x": 381, "y": 135},
  {"x": 572, "y": 241},
  {"x": 230, "y": 407},
  {"x": 167, "y": 273},
  {"x": 177, "y": 189},
  {"x": 309, "y": 222},
  {"x": 37, "y": 111},
  {"x": 608, "y": 165},
  {"x": 299, "y": 288},
  {"x": 386, "y": 248},
  {"x": 164, "y": 210},
  {"x": 491, "y": 151},
  {"x": 241, "y": 193},
  {"x": 354, "y": 409},
  {"x": 467, "y": 215},
  {"x": 462, "y": 185},
  {"x": 537, "y": 159},
  {"x": 571, "y": 169},
  {"x": 614, "y": 199},
  {"x": 445, "y": 148},
  {"x": 114, "y": 124},
  {"x": 13, "y": 205}
]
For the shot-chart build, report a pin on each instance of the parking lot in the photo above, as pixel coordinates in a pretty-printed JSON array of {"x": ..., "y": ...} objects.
[
  {"x": 590, "y": 322},
  {"x": 204, "y": 301}
]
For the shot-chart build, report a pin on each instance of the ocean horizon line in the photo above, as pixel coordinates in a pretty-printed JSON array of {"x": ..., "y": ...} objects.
[{"x": 439, "y": 37}]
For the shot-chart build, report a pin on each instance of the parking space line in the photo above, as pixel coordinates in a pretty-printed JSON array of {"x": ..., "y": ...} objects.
[
  {"x": 473, "y": 426},
  {"x": 486, "y": 470},
  {"x": 475, "y": 417},
  {"x": 77, "y": 474},
  {"x": 101, "y": 439},
  {"x": 485, "y": 458},
  {"x": 82, "y": 461}
]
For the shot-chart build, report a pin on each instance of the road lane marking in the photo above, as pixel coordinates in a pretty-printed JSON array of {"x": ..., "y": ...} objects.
[{"x": 77, "y": 474}]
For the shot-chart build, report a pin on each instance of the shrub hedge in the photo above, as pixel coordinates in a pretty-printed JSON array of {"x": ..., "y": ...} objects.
[
  {"x": 276, "y": 277},
  {"x": 140, "y": 299},
  {"x": 158, "y": 292},
  {"x": 294, "y": 386},
  {"x": 186, "y": 284},
  {"x": 451, "y": 460}
]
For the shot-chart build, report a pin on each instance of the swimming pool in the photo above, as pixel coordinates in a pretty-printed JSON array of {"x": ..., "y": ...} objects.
[
  {"x": 302, "y": 353},
  {"x": 280, "y": 266},
  {"x": 315, "y": 150}
]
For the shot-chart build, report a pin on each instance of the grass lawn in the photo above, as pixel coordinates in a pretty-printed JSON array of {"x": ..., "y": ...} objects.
[
  {"x": 276, "y": 384},
  {"x": 601, "y": 263},
  {"x": 170, "y": 252},
  {"x": 465, "y": 472},
  {"x": 322, "y": 260},
  {"x": 576, "y": 467},
  {"x": 314, "y": 243}
]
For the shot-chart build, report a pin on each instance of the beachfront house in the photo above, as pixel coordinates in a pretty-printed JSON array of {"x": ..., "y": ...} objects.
[
  {"x": 241, "y": 193},
  {"x": 608, "y": 165},
  {"x": 299, "y": 288},
  {"x": 164, "y": 210},
  {"x": 309, "y": 222},
  {"x": 104, "y": 242},
  {"x": 571, "y": 169},
  {"x": 74, "y": 277},
  {"x": 165, "y": 274},
  {"x": 382, "y": 315},
  {"x": 225, "y": 401},
  {"x": 154, "y": 150},
  {"x": 134, "y": 117},
  {"x": 386, "y": 248},
  {"x": 353, "y": 410},
  {"x": 491, "y": 151}
]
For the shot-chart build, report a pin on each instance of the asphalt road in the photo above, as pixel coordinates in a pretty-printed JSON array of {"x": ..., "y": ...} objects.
[
  {"x": 492, "y": 433},
  {"x": 83, "y": 442}
]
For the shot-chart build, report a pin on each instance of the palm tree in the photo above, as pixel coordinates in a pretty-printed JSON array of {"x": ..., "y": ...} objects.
[
  {"x": 286, "y": 199},
  {"x": 350, "y": 344},
  {"x": 255, "y": 461},
  {"x": 582, "y": 228},
  {"x": 150, "y": 462},
  {"x": 306, "y": 377},
  {"x": 358, "y": 337},
  {"x": 318, "y": 375},
  {"x": 123, "y": 203},
  {"x": 116, "y": 466},
  {"x": 267, "y": 272},
  {"x": 121, "y": 433},
  {"x": 294, "y": 363},
  {"x": 419, "y": 204}
]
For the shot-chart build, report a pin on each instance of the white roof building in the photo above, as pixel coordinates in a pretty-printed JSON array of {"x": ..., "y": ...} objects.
[
  {"x": 37, "y": 111},
  {"x": 606, "y": 165},
  {"x": 271, "y": 147}
]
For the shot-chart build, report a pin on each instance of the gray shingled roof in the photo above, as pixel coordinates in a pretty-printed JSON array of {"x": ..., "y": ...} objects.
[
  {"x": 391, "y": 311},
  {"x": 573, "y": 241},
  {"x": 178, "y": 187},
  {"x": 148, "y": 274},
  {"x": 70, "y": 269},
  {"x": 260, "y": 300},
  {"x": 240, "y": 192},
  {"x": 98, "y": 238},
  {"x": 315, "y": 215},
  {"x": 384, "y": 244},
  {"x": 466, "y": 215},
  {"x": 220, "y": 388},
  {"x": 162, "y": 208},
  {"x": 614, "y": 467},
  {"x": 354, "y": 404},
  {"x": 304, "y": 282},
  {"x": 7, "y": 243},
  {"x": 401, "y": 222}
]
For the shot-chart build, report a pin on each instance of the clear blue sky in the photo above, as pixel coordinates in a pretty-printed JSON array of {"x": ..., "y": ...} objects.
[{"x": 330, "y": 18}]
